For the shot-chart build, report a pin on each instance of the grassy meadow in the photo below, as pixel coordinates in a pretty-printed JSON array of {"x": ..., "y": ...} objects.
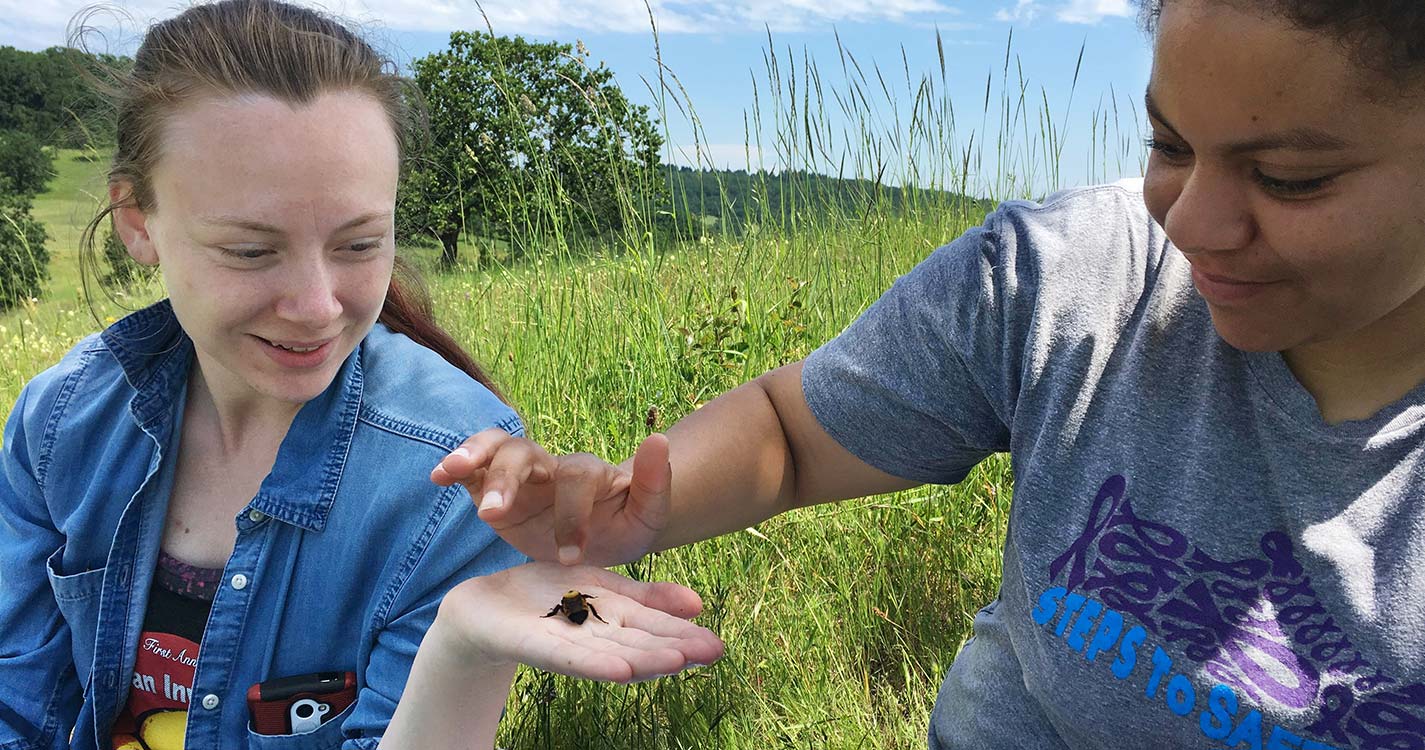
[{"x": 840, "y": 620}]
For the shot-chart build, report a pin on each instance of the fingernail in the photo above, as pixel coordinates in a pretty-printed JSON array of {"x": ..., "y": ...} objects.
[
  {"x": 491, "y": 500},
  {"x": 568, "y": 554},
  {"x": 463, "y": 452}
]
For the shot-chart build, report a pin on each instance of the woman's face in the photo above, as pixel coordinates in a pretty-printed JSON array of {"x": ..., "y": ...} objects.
[
  {"x": 1292, "y": 180},
  {"x": 274, "y": 232}
]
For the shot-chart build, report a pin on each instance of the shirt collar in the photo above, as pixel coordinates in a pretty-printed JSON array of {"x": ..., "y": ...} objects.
[
  {"x": 155, "y": 355},
  {"x": 310, "y": 463}
]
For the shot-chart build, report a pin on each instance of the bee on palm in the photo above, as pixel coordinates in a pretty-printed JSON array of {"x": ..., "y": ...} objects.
[{"x": 576, "y": 607}]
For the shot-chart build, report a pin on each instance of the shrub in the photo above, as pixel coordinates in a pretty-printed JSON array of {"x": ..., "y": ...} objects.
[
  {"x": 25, "y": 164},
  {"x": 24, "y": 261}
]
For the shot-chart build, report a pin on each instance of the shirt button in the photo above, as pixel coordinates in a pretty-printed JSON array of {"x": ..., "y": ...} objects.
[
  {"x": 256, "y": 516},
  {"x": 239, "y": 582},
  {"x": 210, "y": 701}
]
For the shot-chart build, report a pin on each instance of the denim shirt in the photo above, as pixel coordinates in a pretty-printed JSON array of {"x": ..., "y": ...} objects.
[{"x": 340, "y": 563}]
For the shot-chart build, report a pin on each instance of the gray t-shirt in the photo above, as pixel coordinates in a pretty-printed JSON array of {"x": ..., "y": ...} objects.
[{"x": 1194, "y": 558}]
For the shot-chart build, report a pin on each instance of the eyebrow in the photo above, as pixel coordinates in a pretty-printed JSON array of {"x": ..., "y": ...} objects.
[
  {"x": 1296, "y": 139},
  {"x": 257, "y": 226}
]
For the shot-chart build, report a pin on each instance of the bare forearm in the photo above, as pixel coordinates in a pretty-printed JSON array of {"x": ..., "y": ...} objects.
[
  {"x": 732, "y": 467},
  {"x": 450, "y": 700},
  {"x": 755, "y": 452}
]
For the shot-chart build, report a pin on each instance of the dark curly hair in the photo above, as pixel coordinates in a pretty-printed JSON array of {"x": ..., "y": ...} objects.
[{"x": 1386, "y": 36}]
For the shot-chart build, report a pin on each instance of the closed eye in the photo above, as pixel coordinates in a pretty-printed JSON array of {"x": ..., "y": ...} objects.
[
  {"x": 245, "y": 253},
  {"x": 1291, "y": 188},
  {"x": 1171, "y": 151},
  {"x": 1180, "y": 155}
]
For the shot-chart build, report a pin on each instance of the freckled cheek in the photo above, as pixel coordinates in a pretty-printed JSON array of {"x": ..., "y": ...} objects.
[
  {"x": 366, "y": 295},
  {"x": 208, "y": 295}
]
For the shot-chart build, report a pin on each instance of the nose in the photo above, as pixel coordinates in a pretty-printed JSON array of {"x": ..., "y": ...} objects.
[
  {"x": 1212, "y": 212},
  {"x": 309, "y": 294}
]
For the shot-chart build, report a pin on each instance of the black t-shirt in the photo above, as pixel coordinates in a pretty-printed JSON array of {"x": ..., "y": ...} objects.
[{"x": 156, "y": 714}]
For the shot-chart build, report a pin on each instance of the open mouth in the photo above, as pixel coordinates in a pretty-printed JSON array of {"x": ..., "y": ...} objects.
[
  {"x": 294, "y": 348},
  {"x": 298, "y": 349}
]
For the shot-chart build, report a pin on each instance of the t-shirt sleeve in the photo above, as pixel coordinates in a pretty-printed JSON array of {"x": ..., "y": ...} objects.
[{"x": 923, "y": 384}]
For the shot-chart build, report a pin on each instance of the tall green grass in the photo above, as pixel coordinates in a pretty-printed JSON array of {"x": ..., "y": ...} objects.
[{"x": 840, "y": 620}]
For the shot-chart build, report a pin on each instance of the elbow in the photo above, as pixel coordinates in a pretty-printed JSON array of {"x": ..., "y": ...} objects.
[{"x": 779, "y": 462}]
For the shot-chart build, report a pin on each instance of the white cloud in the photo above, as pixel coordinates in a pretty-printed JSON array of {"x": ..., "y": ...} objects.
[
  {"x": 31, "y": 24},
  {"x": 1024, "y": 11},
  {"x": 796, "y": 15},
  {"x": 1071, "y": 11},
  {"x": 1093, "y": 11}
]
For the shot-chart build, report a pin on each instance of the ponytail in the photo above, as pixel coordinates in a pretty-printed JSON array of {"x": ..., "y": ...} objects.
[{"x": 408, "y": 311}]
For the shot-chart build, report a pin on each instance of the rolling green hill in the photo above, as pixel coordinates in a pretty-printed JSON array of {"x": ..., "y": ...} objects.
[{"x": 733, "y": 200}]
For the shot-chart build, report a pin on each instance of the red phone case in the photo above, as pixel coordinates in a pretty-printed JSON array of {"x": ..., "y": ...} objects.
[{"x": 270, "y": 703}]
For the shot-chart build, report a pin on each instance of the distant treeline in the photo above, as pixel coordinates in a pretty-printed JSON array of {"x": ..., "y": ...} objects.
[
  {"x": 46, "y": 95},
  {"x": 46, "y": 99},
  {"x": 737, "y": 198}
]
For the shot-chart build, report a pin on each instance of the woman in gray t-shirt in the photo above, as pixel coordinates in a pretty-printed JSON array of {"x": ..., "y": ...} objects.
[{"x": 1211, "y": 384}]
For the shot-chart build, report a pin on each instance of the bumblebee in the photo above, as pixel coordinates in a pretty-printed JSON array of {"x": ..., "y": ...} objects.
[{"x": 576, "y": 607}]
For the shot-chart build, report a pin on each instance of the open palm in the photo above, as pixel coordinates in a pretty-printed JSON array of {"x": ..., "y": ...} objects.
[{"x": 645, "y": 634}]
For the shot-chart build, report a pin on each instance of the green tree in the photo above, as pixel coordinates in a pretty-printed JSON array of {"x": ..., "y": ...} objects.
[
  {"x": 24, "y": 261},
  {"x": 527, "y": 140},
  {"x": 428, "y": 205},
  {"x": 47, "y": 95},
  {"x": 25, "y": 166}
]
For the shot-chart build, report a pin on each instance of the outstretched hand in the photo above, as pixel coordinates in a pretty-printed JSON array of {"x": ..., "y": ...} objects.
[
  {"x": 574, "y": 508},
  {"x": 645, "y": 632}
]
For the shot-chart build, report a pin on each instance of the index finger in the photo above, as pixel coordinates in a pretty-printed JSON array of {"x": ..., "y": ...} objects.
[{"x": 469, "y": 457}]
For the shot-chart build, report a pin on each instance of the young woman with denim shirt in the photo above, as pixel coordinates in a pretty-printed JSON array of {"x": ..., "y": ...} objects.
[
  {"x": 1210, "y": 382},
  {"x": 230, "y": 487}
]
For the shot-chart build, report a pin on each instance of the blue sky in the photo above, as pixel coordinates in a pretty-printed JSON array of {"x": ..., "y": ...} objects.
[{"x": 716, "y": 48}]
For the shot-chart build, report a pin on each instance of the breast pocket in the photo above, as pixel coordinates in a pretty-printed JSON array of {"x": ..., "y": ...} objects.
[
  {"x": 77, "y": 595},
  {"x": 325, "y": 737}
]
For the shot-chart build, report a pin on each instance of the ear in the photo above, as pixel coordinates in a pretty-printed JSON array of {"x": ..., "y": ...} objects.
[{"x": 131, "y": 224}]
